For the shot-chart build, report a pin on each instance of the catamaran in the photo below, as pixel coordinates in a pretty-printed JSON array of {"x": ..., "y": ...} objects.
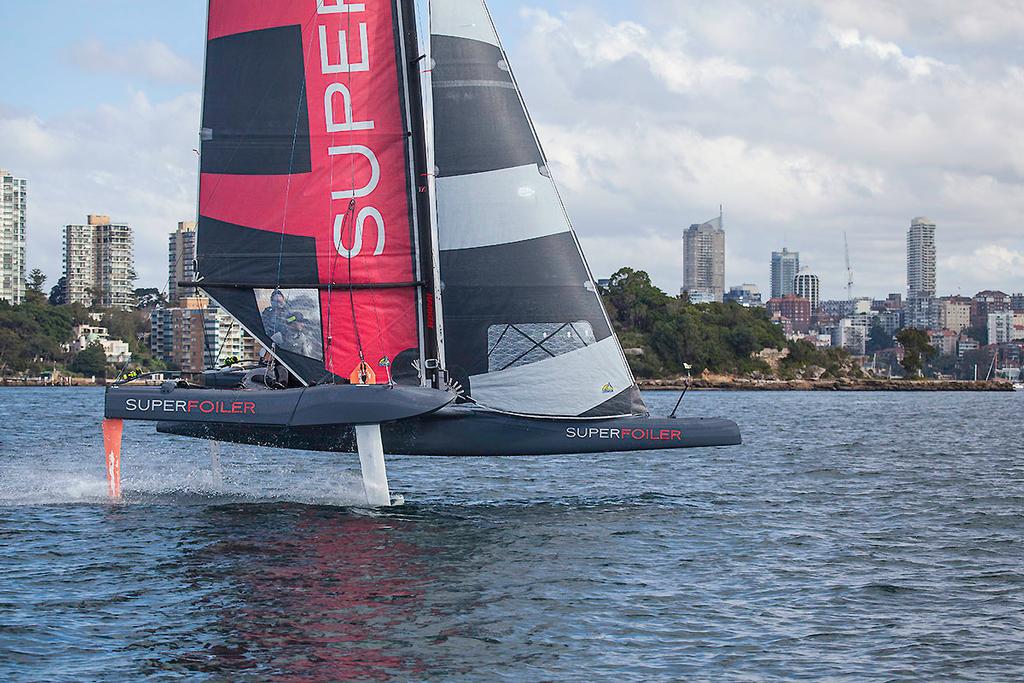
[{"x": 381, "y": 217}]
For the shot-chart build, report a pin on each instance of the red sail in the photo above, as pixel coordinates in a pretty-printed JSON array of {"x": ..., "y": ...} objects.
[{"x": 306, "y": 180}]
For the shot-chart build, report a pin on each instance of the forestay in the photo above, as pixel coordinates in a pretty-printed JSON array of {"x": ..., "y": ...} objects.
[{"x": 524, "y": 325}]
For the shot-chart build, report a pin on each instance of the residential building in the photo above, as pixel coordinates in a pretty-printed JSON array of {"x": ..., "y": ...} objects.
[
  {"x": 807, "y": 285},
  {"x": 12, "y": 237},
  {"x": 922, "y": 313},
  {"x": 1017, "y": 303},
  {"x": 836, "y": 308},
  {"x": 796, "y": 310},
  {"x": 955, "y": 313},
  {"x": 965, "y": 345},
  {"x": 197, "y": 335},
  {"x": 891, "y": 303},
  {"x": 1004, "y": 327},
  {"x": 117, "y": 351},
  {"x": 704, "y": 260},
  {"x": 985, "y": 303},
  {"x": 181, "y": 260},
  {"x": 785, "y": 266},
  {"x": 921, "y": 258},
  {"x": 944, "y": 341},
  {"x": 891, "y": 321},
  {"x": 99, "y": 263},
  {"x": 852, "y": 334},
  {"x": 747, "y": 295}
]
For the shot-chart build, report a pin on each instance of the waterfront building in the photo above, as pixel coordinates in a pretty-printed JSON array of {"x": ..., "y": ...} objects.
[
  {"x": 987, "y": 302},
  {"x": 746, "y": 295},
  {"x": 99, "y": 263},
  {"x": 117, "y": 351},
  {"x": 13, "y": 209},
  {"x": 955, "y": 313},
  {"x": 785, "y": 266},
  {"x": 852, "y": 334},
  {"x": 794, "y": 309},
  {"x": 944, "y": 341},
  {"x": 807, "y": 285},
  {"x": 181, "y": 260},
  {"x": 965, "y": 345},
  {"x": 921, "y": 257},
  {"x": 1004, "y": 327},
  {"x": 198, "y": 334},
  {"x": 704, "y": 260},
  {"x": 922, "y": 313},
  {"x": 891, "y": 321}
]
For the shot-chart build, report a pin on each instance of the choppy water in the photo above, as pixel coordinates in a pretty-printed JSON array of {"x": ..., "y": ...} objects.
[{"x": 855, "y": 536}]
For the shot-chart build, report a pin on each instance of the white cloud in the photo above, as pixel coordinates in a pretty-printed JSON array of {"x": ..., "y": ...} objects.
[
  {"x": 851, "y": 39},
  {"x": 807, "y": 131},
  {"x": 133, "y": 161},
  {"x": 152, "y": 60},
  {"x": 990, "y": 263}
]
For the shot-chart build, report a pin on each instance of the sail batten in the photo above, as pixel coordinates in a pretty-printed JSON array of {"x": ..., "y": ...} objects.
[{"x": 526, "y": 330}]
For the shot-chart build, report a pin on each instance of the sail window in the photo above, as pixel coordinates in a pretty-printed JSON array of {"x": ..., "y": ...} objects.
[
  {"x": 516, "y": 345},
  {"x": 291, "y": 319}
]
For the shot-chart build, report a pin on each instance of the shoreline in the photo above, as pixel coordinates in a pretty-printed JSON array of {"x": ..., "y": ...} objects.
[
  {"x": 723, "y": 383},
  {"x": 716, "y": 383}
]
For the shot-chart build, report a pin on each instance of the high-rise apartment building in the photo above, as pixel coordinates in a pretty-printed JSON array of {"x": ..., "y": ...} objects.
[
  {"x": 807, "y": 285},
  {"x": 12, "y": 238},
  {"x": 181, "y": 259},
  {"x": 704, "y": 261},
  {"x": 785, "y": 266},
  {"x": 921, "y": 258},
  {"x": 99, "y": 263},
  {"x": 198, "y": 334}
]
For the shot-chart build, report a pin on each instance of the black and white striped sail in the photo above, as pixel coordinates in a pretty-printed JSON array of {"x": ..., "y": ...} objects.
[{"x": 525, "y": 330}]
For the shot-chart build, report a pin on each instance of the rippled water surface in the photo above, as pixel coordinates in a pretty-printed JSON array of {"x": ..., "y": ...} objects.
[{"x": 854, "y": 536}]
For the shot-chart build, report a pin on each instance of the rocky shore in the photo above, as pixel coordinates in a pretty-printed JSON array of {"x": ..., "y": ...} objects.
[{"x": 725, "y": 382}]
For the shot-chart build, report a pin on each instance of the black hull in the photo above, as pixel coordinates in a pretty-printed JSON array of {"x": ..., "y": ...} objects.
[{"x": 466, "y": 432}]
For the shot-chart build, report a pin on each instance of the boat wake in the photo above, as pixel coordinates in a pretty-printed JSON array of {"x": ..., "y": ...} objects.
[{"x": 27, "y": 487}]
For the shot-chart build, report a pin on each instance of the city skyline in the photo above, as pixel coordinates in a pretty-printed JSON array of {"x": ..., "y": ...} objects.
[{"x": 115, "y": 130}]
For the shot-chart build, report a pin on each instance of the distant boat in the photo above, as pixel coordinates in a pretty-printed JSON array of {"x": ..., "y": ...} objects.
[
  {"x": 380, "y": 215},
  {"x": 1018, "y": 386}
]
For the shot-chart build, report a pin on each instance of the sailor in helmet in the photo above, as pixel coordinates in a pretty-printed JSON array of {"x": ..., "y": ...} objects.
[{"x": 275, "y": 317}]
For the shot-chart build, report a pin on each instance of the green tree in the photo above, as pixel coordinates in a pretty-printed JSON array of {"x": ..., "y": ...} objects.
[
  {"x": 58, "y": 293},
  {"x": 917, "y": 349},
  {"x": 35, "y": 281},
  {"x": 878, "y": 340},
  {"x": 90, "y": 361}
]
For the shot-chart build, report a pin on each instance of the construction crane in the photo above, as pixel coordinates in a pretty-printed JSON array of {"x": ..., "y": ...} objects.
[{"x": 849, "y": 269}]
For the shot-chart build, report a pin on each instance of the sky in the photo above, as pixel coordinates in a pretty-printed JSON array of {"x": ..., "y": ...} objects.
[{"x": 805, "y": 119}]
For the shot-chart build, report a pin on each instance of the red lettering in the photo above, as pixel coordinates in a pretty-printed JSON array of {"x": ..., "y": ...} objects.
[
  {"x": 676, "y": 434},
  {"x": 204, "y": 409},
  {"x": 236, "y": 407},
  {"x": 250, "y": 408},
  {"x": 191, "y": 405}
]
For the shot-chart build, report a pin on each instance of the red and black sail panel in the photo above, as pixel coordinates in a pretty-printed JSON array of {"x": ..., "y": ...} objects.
[{"x": 308, "y": 224}]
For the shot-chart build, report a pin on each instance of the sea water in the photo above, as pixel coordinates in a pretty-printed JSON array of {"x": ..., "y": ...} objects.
[{"x": 853, "y": 537}]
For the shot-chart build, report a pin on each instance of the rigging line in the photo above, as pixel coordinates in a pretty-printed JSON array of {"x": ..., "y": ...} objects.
[
  {"x": 224, "y": 343},
  {"x": 498, "y": 343},
  {"x": 536, "y": 345},
  {"x": 291, "y": 157}
]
